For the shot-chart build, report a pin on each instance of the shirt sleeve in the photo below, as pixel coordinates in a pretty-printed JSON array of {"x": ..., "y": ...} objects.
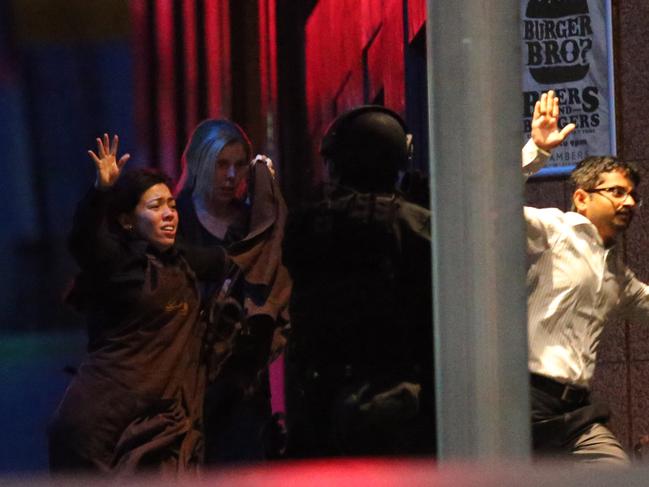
[
  {"x": 635, "y": 299},
  {"x": 537, "y": 230},
  {"x": 537, "y": 224},
  {"x": 90, "y": 242},
  {"x": 533, "y": 158}
]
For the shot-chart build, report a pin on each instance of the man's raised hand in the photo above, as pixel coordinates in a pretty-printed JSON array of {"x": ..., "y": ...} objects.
[{"x": 545, "y": 123}]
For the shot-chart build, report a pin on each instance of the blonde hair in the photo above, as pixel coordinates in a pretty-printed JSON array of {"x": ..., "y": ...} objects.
[{"x": 204, "y": 146}]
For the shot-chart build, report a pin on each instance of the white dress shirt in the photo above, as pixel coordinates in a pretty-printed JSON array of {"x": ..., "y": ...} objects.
[{"x": 574, "y": 285}]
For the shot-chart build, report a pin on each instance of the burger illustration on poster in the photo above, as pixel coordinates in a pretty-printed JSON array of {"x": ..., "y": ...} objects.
[
  {"x": 558, "y": 35},
  {"x": 561, "y": 52}
]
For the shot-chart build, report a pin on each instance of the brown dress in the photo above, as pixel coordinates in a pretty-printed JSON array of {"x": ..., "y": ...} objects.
[{"x": 136, "y": 401}]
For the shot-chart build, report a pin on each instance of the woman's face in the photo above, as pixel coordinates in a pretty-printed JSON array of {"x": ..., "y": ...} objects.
[
  {"x": 230, "y": 169},
  {"x": 155, "y": 218}
]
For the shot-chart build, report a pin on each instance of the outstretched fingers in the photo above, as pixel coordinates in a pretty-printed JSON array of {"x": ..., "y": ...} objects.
[
  {"x": 122, "y": 160},
  {"x": 555, "y": 107},
  {"x": 114, "y": 145},
  {"x": 537, "y": 110},
  {"x": 543, "y": 102},
  {"x": 549, "y": 103},
  {"x": 565, "y": 131},
  {"x": 101, "y": 150},
  {"x": 94, "y": 157}
]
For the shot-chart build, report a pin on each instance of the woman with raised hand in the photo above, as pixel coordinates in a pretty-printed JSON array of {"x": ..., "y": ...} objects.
[
  {"x": 225, "y": 197},
  {"x": 136, "y": 401}
]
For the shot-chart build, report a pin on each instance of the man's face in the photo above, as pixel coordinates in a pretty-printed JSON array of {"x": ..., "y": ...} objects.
[{"x": 609, "y": 205}]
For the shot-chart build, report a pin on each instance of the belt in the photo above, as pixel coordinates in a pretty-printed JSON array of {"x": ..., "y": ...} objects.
[{"x": 564, "y": 392}]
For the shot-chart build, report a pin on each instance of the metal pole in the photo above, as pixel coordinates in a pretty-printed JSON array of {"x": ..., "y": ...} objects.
[{"x": 473, "y": 50}]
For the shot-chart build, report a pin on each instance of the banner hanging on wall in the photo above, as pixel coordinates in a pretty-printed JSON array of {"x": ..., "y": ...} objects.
[{"x": 567, "y": 47}]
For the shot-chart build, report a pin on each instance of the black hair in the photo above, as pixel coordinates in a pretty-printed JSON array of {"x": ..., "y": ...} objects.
[
  {"x": 129, "y": 188},
  {"x": 587, "y": 173}
]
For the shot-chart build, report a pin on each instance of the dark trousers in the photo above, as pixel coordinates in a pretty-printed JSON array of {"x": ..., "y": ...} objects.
[{"x": 560, "y": 415}]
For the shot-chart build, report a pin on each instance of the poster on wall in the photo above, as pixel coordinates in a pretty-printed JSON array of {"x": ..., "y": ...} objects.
[{"x": 567, "y": 47}]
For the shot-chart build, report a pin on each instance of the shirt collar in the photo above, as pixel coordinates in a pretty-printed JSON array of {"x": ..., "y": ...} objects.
[{"x": 575, "y": 219}]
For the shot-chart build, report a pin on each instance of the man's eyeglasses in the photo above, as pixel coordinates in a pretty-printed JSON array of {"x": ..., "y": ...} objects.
[{"x": 619, "y": 193}]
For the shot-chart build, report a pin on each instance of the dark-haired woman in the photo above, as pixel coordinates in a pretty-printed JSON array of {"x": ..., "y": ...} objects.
[
  {"x": 227, "y": 198},
  {"x": 136, "y": 401}
]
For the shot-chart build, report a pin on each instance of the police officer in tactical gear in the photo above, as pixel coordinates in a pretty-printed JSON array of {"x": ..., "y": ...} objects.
[{"x": 360, "y": 364}]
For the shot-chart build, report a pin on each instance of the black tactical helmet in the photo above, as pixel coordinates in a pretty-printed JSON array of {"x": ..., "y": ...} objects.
[{"x": 366, "y": 147}]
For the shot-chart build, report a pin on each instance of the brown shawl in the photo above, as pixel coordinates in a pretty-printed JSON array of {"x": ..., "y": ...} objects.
[{"x": 259, "y": 254}]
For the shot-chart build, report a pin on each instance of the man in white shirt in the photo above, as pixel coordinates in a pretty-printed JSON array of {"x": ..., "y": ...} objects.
[{"x": 576, "y": 281}]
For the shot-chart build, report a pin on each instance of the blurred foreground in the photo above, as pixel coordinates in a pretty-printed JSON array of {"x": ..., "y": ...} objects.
[{"x": 374, "y": 472}]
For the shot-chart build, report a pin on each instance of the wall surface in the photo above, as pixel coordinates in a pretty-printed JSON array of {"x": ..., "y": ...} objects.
[{"x": 356, "y": 54}]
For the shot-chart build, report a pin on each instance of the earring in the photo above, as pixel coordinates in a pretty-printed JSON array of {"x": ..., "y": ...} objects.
[{"x": 128, "y": 227}]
